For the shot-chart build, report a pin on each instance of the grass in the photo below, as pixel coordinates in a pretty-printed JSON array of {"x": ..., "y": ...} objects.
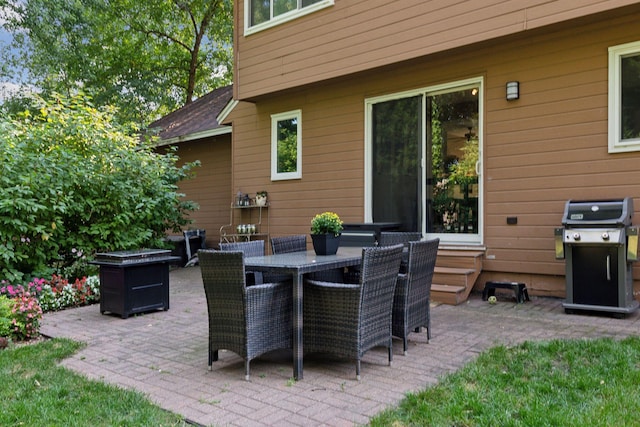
[
  {"x": 35, "y": 391},
  {"x": 557, "y": 383}
]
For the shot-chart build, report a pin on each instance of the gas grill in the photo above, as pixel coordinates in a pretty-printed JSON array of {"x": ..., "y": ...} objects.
[{"x": 599, "y": 245}]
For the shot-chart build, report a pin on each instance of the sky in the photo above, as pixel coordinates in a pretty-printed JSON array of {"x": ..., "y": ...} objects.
[{"x": 6, "y": 85}]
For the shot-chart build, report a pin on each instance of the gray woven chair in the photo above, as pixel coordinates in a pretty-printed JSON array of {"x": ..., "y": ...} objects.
[
  {"x": 411, "y": 308},
  {"x": 388, "y": 238},
  {"x": 248, "y": 320},
  {"x": 287, "y": 244},
  {"x": 251, "y": 248},
  {"x": 347, "y": 320}
]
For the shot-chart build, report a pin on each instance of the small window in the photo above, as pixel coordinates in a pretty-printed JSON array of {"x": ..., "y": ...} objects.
[
  {"x": 624, "y": 98},
  {"x": 262, "y": 14},
  {"x": 286, "y": 145}
]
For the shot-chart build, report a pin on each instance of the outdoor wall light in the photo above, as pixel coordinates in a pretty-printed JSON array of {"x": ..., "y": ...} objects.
[{"x": 513, "y": 90}]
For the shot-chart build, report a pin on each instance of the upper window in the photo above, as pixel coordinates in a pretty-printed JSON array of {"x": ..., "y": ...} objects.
[
  {"x": 286, "y": 145},
  {"x": 261, "y": 14},
  {"x": 624, "y": 97}
]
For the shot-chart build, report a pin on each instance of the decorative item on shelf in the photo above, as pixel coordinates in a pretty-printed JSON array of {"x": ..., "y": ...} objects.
[
  {"x": 261, "y": 198},
  {"x": 242, "y": 200},
  {"x": 326, "y": 229}
]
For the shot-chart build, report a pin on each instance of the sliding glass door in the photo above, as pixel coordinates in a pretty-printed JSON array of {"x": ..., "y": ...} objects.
[{"x": 423, "y": 161}]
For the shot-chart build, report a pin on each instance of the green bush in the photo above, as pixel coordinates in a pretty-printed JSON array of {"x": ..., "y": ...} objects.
[
  {"x": 74, "y": 181},
  {"x": 5, "y": 316}
]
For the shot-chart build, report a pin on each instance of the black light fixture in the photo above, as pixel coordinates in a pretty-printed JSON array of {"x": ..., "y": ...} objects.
[{"x": 513, "y": 91}]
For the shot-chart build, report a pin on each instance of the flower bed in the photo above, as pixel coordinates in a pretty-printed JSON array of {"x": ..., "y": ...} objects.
[{"x": 21, "y": 307}]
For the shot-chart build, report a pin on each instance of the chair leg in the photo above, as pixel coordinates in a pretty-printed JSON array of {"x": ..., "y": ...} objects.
[
  {"x": 213, "y": 356},
  {"x": 404, "y": 345},
  {"x": 246, "y": 370},
  {"x": 358, "y": 369},
  {"x": 390, "y": 352}
]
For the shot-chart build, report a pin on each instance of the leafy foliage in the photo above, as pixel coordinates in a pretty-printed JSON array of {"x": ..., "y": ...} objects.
[
  {"x": 326, "y": 223},
  {"x": 73, "y": 180},
  {"x": 145, "y": 57},
  {"x": 287, "y": 145},
  {"x": 5, "y": 316},
  {"x": 25, "y": 317}
]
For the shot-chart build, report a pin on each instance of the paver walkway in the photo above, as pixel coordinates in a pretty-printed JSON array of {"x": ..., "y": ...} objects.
[{"x": 164, "y": 355}]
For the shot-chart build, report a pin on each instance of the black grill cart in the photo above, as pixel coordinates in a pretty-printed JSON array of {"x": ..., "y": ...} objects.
[{"x": 599, "y": 245}]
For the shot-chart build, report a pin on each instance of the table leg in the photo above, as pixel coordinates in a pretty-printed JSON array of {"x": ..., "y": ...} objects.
[{"x": 297, "y": 326}]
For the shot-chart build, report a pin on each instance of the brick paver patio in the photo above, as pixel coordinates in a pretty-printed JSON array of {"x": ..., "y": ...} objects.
[{"x": 163, "y": 354}]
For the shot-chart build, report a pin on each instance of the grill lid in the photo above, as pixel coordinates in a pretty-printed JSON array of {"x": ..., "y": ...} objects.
[{"x": 596, "y": 213}]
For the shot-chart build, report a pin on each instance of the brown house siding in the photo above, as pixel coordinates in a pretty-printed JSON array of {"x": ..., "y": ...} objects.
[
  {"x": 357, "y": 35},
  {"x": 539, "y": 151},
  {"x": 210, "y": 187}
]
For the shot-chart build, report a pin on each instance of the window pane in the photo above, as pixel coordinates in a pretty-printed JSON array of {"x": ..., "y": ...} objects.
[
  {"x": 453, "y": 145},
  {"x": 306, "y": 3},
  {"x": 259, "y": 11},
  {"x": 630, "y": 95},
  {"x": 284, "y": 6},
  {"x": 287, "y": 145},
  {"x": 396, "y": 137}
]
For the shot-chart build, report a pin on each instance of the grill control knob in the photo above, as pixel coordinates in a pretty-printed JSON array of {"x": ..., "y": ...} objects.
[
  {"x": 576, "y": 236},
  {"x": 605, "y": 236}
]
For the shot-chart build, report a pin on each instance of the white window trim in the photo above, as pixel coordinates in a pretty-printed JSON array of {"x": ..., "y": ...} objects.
[
  {"x": 275, "y": 118},
  {"x": 616, "y": 53},
  {"x": 280, "y": 19}
]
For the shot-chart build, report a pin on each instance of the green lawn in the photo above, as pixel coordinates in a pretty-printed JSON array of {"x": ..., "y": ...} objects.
[
  {"x": 558, "y": 383},
  {"x": 35, "y": 391}
]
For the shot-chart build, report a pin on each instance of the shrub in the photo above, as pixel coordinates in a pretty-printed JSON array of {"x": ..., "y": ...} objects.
[
  {"x": 72, "y": 178},
  {"x": 25, "y": 317},
  {"x": 5, "y": 316}
]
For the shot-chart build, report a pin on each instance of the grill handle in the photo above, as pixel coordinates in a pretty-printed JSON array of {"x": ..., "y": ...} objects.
[
  {"x": 632, "y": 244},
  {"x": 558, "y": 232},
  {"x": 608, "y": 268}
]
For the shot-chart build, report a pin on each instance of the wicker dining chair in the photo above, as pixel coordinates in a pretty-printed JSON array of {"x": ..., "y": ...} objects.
[
  {"x": 250, "y": 248},
  {"x": 411, "y": 303},
  {"x": 347, "y": 320},
  {"x": 388, "y": 238},
  {"x": 248, "y": 320},
  {"x": 287, "y": 244}
]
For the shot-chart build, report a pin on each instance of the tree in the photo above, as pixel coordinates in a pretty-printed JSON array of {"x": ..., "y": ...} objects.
[
  {"x": 73, "y": 183},
  {"x": 145, "y": 57}
]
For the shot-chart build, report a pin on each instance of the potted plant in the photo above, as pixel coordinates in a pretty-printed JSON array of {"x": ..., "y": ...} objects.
[
  {"x": 261, "y": 198},
  {"x": 326, "y": 229}
]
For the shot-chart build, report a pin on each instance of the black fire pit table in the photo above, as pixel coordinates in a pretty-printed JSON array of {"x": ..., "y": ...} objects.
[{"x": 134, "y": 281}]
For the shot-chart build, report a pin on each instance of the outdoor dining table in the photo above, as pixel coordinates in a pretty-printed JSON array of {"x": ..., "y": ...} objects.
[{"x": 297, "y": 264}]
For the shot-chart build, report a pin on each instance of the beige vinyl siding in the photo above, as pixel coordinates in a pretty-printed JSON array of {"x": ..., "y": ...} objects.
[
  {"x": 539, "y": 151},
  {"x": 357, "y": 35}
]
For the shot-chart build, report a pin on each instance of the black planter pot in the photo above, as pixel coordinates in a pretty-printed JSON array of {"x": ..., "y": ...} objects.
[{"x": 325, "y": 244}]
